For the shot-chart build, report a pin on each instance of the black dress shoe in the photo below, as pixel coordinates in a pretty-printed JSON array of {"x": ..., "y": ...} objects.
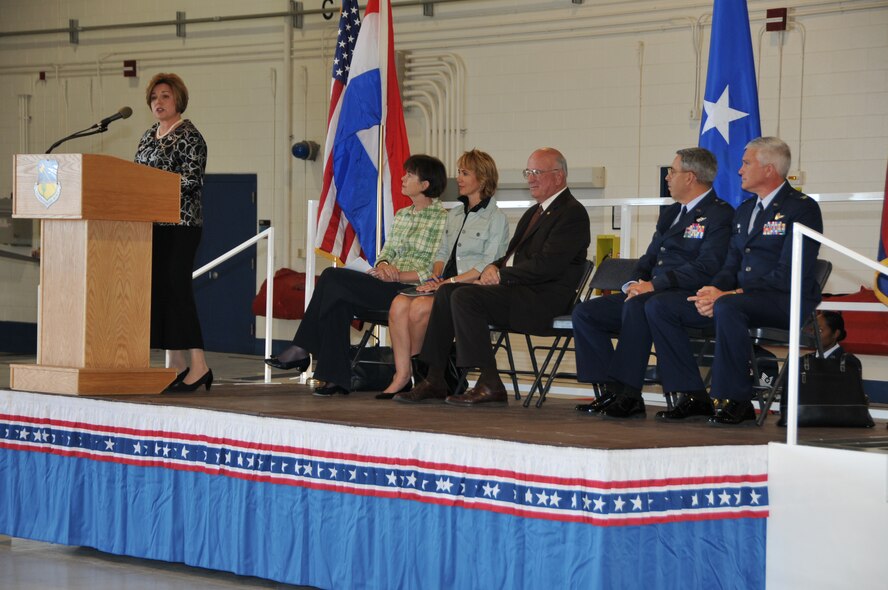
[
  {"x": 182, "y": 387},
  {"x": 734, "y": 413},
  {"x": 300, "y": 364},
  {"x": 329, "y": 389},
  {"x": 691, "y": 407},
  {"x": 598, "y": 405},
  {"x": 405, "y": 389},
  {"x": 625, "y": 407},
  {"x": 179, "y": 378}
]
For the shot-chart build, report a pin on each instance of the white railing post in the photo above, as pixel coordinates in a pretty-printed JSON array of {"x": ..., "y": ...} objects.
[
  {"x": 799, "y": 232},
  {"x": 269, "y": 299},
  {"x": 266, "y": 234},
  {"x": 795, "y": 304},
  {"x": 311, "y": 261},
  {"x": 625, "y": 232}
]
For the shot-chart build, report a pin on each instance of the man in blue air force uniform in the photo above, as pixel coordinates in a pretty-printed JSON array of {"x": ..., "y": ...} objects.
[
  {"x": 688, "y": 248},
  {"x": 752, "y": 290}
]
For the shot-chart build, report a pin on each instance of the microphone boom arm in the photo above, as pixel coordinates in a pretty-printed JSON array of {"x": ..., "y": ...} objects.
[{"x": 94, "y": 130}]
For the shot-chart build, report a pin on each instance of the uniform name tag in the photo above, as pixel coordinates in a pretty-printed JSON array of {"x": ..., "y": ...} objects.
[
  {"x": 774, "y": 228},
  {"x": 695, "y": 231}
]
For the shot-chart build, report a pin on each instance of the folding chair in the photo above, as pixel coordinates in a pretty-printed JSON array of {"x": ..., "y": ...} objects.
[
  {"x": 503, "y": 342},
  {"x": 809, "y": 338},
  {"x": 611, "y": 275},
  {"x": 379, "y": 318},
  {"x": 375, "y": 318}
]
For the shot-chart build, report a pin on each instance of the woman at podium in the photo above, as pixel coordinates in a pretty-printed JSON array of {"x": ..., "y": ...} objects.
[{"x": 174, "y": 144}]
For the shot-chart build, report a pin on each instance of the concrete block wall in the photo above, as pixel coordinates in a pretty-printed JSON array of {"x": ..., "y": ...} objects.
[{"x": 610, "y": 84}]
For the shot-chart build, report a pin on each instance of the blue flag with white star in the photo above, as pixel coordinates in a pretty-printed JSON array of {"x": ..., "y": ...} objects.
[{"x": 730, "y": 102}]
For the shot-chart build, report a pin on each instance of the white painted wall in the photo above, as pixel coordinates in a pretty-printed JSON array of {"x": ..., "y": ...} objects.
[
  {"x": 828, "y": 513},
  {"x": 609, "y": 83}
]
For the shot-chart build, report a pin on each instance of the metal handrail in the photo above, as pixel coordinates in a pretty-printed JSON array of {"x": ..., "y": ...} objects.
[
  {"x": 269, "y": 282},
  {"x": 799, "y": 232}
]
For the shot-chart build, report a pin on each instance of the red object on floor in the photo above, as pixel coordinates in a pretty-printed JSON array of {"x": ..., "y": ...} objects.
[
  {"x": 288, "y": 298},
  {"x": 867, "y": 330}
]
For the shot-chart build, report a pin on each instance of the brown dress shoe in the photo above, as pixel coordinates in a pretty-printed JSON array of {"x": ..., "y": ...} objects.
[
  {"x": 424, "y": 393},
  {"x": 480, "y": 394}
]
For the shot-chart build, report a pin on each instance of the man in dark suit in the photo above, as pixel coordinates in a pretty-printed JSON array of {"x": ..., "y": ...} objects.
[
  {"x": 751, "y": 290},
  {"x": 688, "y": 248},
  {"x": 525, "y": 289}
]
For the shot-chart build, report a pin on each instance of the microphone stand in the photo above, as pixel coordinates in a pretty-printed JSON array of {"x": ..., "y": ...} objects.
[{"x": 94, "y": 130}]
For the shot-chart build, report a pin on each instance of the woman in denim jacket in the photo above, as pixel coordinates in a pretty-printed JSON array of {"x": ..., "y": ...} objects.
[{"x": 475, "y": 235}]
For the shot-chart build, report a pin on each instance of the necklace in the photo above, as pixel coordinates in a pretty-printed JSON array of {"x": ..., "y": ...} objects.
[{"x": 160, "y": 135}]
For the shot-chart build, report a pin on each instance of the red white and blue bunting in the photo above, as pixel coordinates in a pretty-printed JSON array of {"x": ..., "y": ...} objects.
[{"x": 147, "y": 458}]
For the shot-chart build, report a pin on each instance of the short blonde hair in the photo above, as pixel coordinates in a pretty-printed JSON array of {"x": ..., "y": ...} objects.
[
  {"x": 484, "y": 168},
  {"x": 180, "y": 91}
]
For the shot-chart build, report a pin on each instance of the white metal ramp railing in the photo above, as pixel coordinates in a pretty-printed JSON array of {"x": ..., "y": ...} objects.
[
  {"x": 799, "y": 232},
  {"x": 269, "y": 281}
]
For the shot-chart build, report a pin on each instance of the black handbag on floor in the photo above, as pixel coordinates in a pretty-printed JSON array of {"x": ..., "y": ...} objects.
[
  {"x": 374, "y": 370},
  {"x": 830, "y": 393}
]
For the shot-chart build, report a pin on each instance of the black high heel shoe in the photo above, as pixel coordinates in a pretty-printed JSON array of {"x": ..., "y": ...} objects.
[
  {"x": 179, "y": 378},
  {"x": 406, "y": 388},
  {"x": 182, "y": 387},
  {"x": 329, "y": 389},
  {"x": 301, "y": 364}
]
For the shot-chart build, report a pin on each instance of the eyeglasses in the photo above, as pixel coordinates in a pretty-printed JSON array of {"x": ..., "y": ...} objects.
[
  {"x": 527, "y": 172},
  {"x": 672, "y": 171}
]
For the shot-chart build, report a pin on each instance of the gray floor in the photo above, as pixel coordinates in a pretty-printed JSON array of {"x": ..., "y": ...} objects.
[{"x": 31, "y": 565}]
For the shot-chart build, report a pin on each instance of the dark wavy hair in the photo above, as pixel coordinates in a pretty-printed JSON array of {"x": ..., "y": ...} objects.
[{"x": 430, "y": 170}]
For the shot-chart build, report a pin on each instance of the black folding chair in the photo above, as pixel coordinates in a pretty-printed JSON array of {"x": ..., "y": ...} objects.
[
  {"x": 502, "y": 342},
  {"x": 611, "y": 275},
  {"x": 809, "y": 338},
  {"x": 376, "y": 318}
]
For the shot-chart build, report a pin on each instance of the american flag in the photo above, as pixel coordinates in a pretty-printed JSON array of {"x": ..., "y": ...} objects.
[
  {"x": 335, "y": 236},
  {"x": 365, "y": 112}
]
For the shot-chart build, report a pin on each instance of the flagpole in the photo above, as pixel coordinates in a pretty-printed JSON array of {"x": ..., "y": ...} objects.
[
  {"x": 380, "y": 155},
  {"x": 384, "y": 16}
]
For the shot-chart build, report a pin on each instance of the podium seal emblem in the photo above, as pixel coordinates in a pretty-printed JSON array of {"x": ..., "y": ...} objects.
[{"x": 47, "y": 187}]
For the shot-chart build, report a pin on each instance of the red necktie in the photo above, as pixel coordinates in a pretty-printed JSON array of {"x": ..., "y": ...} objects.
[{"x": 530, "y": 225}]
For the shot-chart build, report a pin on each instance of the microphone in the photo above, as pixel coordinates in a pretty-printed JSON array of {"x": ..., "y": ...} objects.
[
  {"x": 100, "y": 127},
  {"x": 123, "y": 113}
]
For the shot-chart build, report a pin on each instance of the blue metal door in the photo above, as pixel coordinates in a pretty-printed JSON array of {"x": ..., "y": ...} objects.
[{"x": 224, "y": 294}]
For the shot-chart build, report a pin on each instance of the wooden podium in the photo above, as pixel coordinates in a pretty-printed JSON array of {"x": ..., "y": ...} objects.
[{"x": 96, "y": 216}]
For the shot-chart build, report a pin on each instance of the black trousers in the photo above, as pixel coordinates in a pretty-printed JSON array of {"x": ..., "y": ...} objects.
[
  {"x": 464, "y": 312},
  {"x": 174, "y": 321},
  {"x": 324, "y": 331}
]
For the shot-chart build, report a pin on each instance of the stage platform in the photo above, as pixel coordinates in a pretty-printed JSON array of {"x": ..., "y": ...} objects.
[
  {"x": 556, "y": 423},
  {"x": 350, "y": 491}
]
